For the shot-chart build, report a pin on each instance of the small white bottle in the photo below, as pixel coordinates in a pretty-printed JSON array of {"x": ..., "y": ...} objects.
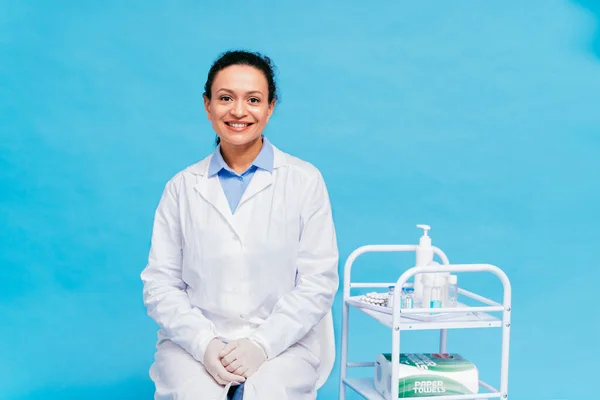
[
  {"x": 407, "y": 298},
  {"x": 444, "y": 284},
  {"x": 435, "y": 301},
  {"x": 452, "y": 291},
  {"x": 427, "y": 280},
  {"x": 390, "y": 299},
  {"x": 441, "y": 280},
  {"x": 418, "y": 282}
]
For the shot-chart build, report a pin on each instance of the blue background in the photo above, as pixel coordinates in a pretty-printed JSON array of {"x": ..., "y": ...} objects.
[{"x": 479, "y": 118}]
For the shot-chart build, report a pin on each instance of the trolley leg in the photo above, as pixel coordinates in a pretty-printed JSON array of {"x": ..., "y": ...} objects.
[
  {"x": 505, "y": 351},
  {"x": 344, "y": 355},
  {"x": 395, "y": 361},
  {"x": 443, "y": 340}
]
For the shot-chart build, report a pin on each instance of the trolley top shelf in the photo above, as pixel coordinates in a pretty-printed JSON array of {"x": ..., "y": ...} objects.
[
  {"x": 459, "y": 321},
  {"x": 404, "y": 319}
]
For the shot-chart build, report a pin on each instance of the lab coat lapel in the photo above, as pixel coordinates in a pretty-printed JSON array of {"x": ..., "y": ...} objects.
[
  {"x": 246, "y": 215},
  {"x": 261, "y": 180},
  {"x": 210, "y": 189}
]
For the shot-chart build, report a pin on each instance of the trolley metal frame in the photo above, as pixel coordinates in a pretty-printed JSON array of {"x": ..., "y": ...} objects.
[{"x": 478, "y": 318}]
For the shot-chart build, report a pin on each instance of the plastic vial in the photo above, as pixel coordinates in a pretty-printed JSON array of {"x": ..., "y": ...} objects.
[
  {"x": 452, "y": 291},
  {"x": 427, "y": 287},
  {"x": 390, "y": 301},
  {"x": 418, "y": 285},
  {"x": 407, "y": 298},
  {"x": 436, "y": 297},
  {"x": 444, "y": 284},
  {"x": 437, "y": 291}
]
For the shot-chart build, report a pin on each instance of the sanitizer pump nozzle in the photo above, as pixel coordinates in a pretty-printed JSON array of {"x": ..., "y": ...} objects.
[{"x": 424, "y": 258}]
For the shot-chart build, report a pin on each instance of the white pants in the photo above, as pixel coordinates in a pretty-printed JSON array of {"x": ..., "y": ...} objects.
[{"x": 178, "y": 376}]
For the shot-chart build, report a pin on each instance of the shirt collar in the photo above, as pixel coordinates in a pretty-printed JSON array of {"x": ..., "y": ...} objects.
[{"x": 263, "y": 160}]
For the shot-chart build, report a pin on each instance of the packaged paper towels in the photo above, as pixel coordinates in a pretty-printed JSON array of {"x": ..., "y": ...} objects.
[{"x": 423, "y": 375}]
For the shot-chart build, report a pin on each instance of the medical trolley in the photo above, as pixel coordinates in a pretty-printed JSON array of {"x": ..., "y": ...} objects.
[{"x": 398, "y": 319}]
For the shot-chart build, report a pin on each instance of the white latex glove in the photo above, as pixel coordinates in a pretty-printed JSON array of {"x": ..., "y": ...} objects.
[
  {"x": 213, "y": 365},
  {"x": 242, "y": 357}
]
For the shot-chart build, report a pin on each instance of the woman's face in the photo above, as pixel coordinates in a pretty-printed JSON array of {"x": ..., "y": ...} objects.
[{"x": 239, "y": 108}]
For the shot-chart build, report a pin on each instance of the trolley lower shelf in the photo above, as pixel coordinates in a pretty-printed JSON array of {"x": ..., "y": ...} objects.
[{"x": 366, "y": 388}]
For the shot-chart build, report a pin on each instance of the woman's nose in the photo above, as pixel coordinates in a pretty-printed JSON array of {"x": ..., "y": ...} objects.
[{"x": 238, "y": 109}]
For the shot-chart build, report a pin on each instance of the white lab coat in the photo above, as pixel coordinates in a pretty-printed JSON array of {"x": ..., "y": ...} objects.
[{"x": 267, "y": 272}]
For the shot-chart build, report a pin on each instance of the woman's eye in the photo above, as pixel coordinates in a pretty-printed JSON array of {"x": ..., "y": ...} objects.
[
  {"x": 254, "y": 100},
  {"x": 225, "y": 98}
]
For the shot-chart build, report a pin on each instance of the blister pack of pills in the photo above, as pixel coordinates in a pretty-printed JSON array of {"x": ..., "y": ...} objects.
[{"x": 378, "y": 299}]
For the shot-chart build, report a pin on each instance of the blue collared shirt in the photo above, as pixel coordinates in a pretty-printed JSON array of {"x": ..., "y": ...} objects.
[{"x": 235, "y": 184}]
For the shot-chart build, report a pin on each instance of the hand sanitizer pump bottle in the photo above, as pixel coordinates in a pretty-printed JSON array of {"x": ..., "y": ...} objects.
[{"x": 424, "y": 258}]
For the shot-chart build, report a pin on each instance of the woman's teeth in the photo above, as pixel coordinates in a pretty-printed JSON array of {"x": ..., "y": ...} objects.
[{"x": 237, "y": 125}]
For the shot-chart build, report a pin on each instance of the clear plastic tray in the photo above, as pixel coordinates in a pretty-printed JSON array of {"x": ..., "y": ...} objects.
[{"x": 356, "y": 301}]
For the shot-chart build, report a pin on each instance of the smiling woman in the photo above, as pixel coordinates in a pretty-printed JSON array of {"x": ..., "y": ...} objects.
[
  {"x": 242, "y": 269},
  {"x": 237, "y": 79},
  {"x": 239, "y": 104}
]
